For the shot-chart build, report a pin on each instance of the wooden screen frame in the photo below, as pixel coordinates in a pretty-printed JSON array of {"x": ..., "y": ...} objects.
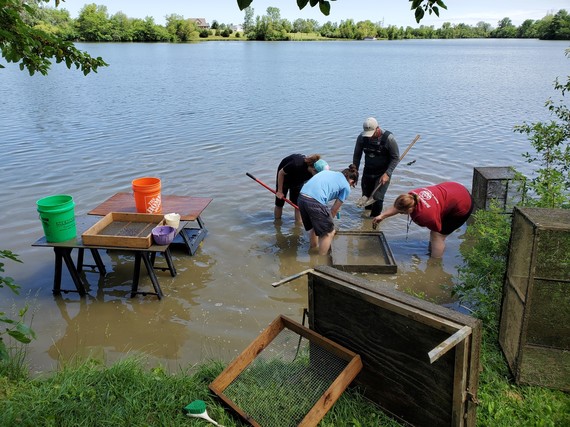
[{"x": 331, "y": 395}]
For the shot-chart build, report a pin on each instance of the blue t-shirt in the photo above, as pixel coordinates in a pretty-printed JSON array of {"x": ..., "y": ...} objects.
[{"x": 326, "y": 186}]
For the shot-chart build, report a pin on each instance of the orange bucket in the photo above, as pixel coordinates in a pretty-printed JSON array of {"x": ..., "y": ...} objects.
[{"x": 147, "y": 195}]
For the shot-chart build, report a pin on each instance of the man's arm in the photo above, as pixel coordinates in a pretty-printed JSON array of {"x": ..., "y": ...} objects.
[
  {"x": 394, "y": 151},
  {"x": 357, "y": 152}
]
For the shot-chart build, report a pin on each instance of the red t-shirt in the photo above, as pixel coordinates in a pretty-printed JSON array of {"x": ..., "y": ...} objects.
[{"x": 440, "y": 202}]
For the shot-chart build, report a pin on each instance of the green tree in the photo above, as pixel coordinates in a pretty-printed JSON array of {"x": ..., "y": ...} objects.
[
  {"x": 328, "y": 29},
  {"x": 121, "y": 28},
  {"x": 551, "y": 142},
  {"x": 526, "y": 30},
  {"x": 270, "y": 26},
  {"x": 55, "y": 21},
  {"x": 248, "y": 20},
  {"x": 93, "y": 23},
  {"x": 305, "y": 26},
  {"x": 447, "y": 31},
  {"x": 347, "y": 29},
  {"x": 483, "y": 29},
  {"x": 365, "y": 29},
  {"x": 180, "y": 29},
  {"x": 559, "y": 27},
  {"x": 33, "y": 48},
  {"x": 394, "y": 33},
  {"x": 145, "y": 30},
  {"x": 505, "y": 29}
]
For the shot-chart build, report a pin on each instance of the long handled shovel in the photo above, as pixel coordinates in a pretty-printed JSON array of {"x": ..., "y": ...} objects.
[
  {"x": 371, "y": 198},
  {"x": 271, "y": 189}
]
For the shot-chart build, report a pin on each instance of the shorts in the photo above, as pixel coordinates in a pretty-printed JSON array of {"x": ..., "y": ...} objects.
[
  {"x": 293, "y": 194},
  {"x": 451, "y": 223},
  {"x": 315, "y": 216}
]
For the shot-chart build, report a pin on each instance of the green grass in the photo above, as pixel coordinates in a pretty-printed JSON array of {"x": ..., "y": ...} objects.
[
  {"x": 126, "y": 394},
  {"x": 503, "y": 403}
]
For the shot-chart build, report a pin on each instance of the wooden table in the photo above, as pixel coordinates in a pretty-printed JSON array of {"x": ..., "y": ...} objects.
[
  {"x": 63, "y": 251},
  {"x": 189, "y": 207}
]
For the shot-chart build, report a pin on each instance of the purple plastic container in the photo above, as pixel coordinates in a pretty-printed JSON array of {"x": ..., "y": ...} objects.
[{"x": 163, "y": 234}]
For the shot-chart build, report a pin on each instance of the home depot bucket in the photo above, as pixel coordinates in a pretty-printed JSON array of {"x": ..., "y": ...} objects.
[
  {"x": 147, "y": 195},
  {"x": 58, "y": 217}
]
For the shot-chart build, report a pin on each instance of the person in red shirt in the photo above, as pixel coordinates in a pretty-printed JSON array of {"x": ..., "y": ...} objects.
[{"x": 442, "y": 208}]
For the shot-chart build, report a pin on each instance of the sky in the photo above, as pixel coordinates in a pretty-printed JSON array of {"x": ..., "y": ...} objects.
[{"x": 390, "y": 12}]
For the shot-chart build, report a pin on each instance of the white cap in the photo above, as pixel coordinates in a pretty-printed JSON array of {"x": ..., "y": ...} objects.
[{"x": 370, "y": 125}]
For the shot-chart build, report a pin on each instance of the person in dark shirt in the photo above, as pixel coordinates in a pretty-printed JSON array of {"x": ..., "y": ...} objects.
[
  {"x": 381, "y": 156},
  {"x": 293, "y": 171}
]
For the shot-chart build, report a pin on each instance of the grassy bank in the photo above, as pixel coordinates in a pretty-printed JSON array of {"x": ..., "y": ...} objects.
[{"x": 127, "y": 394}]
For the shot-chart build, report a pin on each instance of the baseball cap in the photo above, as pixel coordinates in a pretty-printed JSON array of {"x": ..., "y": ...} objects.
[
  {"x": 369, "y": 126},
  {"x": 321, "y": 165}
]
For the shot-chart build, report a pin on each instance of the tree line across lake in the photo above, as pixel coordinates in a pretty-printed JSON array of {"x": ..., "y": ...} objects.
[{"x": 95, "y": 24}]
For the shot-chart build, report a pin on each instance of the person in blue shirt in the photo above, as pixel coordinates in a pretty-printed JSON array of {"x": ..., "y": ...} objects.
[{"x": 317, "y": 192}]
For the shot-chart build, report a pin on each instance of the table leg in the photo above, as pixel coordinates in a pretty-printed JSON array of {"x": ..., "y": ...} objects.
[
  {"x": 152, "y": 275},
  {"x": 80, "y": 253},
  {"x": 98, "y": 262},
  {"x": 145, "y": 257},
  {"x": 136, "y": 274},
  {"x": 96, "y": 257},
  {"x": 65, "y": 254},
  {"x": 169, "y": 262},
  {"x": 57, "y": 272}
]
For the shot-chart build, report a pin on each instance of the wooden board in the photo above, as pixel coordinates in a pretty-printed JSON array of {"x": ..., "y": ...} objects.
[
  {"x": 189, "y": 207},
  {"x": 362, "y": 252},
  {"x": 394, "y": 333},
  {"x": 125, "y": 230}
]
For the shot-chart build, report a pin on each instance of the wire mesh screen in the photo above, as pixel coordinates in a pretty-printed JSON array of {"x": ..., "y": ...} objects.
[
  {"x": 285, "y": 380},
  {"x": 495, "y": 185}
]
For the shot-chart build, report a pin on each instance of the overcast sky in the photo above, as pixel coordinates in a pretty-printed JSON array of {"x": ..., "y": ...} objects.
[{"x": 390, "y": 12}]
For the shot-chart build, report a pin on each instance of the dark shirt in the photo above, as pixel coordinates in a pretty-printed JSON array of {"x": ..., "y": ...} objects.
[
  {"x": 296, "y": 170},
  {"x": 378, "y": 161}
]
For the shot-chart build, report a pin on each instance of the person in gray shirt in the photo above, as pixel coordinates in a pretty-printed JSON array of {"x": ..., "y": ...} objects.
[{"x": 381, "y": 156}]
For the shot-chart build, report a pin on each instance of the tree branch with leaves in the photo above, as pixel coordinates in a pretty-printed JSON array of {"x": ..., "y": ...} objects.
[
  {"x": 23, "y": 43},
  {"x": 16, "y": 329},
  {"x": 419, "y": 6}
]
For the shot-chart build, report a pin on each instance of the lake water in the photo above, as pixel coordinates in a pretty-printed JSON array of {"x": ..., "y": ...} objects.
[{"x": 199, "y": 116}]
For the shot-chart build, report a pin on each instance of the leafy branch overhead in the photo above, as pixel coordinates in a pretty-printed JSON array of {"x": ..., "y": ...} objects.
[
  {"x": 430, "y": 6},
  {"x": 420, "y": 6},
  {"x": 33, "y": 48}
]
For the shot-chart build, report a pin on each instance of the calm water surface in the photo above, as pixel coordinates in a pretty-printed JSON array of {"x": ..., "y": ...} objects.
[{"x": 200, "y": 116}]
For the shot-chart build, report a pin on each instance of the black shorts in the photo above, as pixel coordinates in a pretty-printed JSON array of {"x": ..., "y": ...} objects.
[
  {"x": 451, "y": 223},
  {"x": 293, "y": 194},
  {"x": 315, "y": 216}
]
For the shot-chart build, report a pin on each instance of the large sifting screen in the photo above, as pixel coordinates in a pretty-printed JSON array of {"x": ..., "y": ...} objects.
[{"x": 292, "y": 376}]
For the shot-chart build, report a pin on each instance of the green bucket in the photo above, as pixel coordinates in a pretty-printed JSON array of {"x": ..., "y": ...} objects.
[{"x": 58, "y": 217}]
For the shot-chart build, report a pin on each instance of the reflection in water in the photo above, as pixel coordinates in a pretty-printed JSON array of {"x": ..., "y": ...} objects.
[
  {"x": 428, "y": 280},
  {"x": 96, "y": 328},
  {"x": 112, "y": 324}
]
